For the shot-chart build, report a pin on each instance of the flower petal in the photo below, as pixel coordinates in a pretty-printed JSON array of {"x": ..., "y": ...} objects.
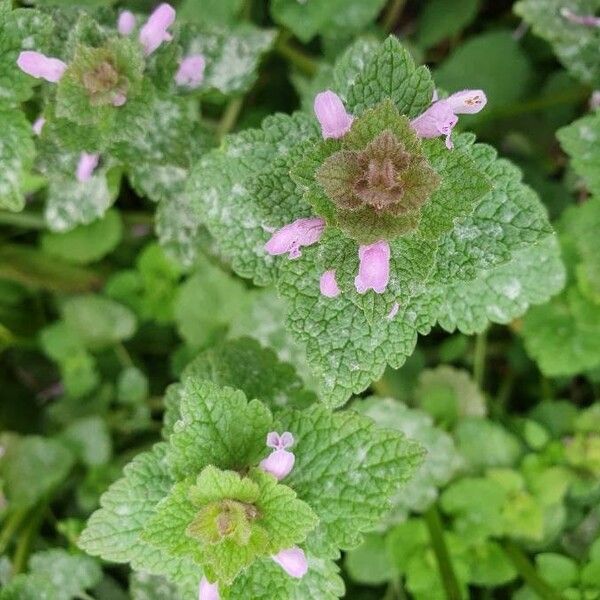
[
  {"x": 335, "y": 121},
  {"x": 40, "y": 66},
  {"x": 374, "y": 268},
  {"x": 328, "y": 284},
  {"x": 292, "y": 561}
]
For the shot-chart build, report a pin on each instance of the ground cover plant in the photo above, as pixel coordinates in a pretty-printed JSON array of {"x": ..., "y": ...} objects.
[{"x": 299, "y": 299}]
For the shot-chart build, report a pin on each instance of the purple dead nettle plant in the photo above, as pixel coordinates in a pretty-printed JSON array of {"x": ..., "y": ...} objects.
[
  {"x": 279, "y": 464},
  {"x": 374, "y": 259}
]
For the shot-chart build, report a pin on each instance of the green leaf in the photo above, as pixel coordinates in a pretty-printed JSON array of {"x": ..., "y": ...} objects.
[
  {"x": 492, "y": 61},
  {"x": 206, "y": 303},
  {"x": 132, "y": 386},
  {"x": 559, "y": 571},
  {"x": 143, "y": 586},
  {"x": 232, "y": 55},
  {"x": 371, "y": 563},
  {"x": 214, "y": 12},
  {"x": 22, "y": 29},
  {"x": 576, "y": 46},
  {"x": 87, "y": 243},
  {"x": 217, "y": 426},
  {"x": 342, "y": 451},
  {"x": 32, "y": 467},
  {"x": 441, "y": 461},
  {"x": 449, "y": 394},
  {"x": 262, "y": 516},
  {"x": 90, "y": 439},
  {"x": 113, "y": 532},
  {"x": 98, "y": 321},
  {"x": 16, "y": 156},
  {"x": 488, "y": 565},
  {"x": 308, "y": 19},
  {"x": 439, "y": 20},
  {"x": 581, "y": 141},
  {"x": 245, "y": 365}
]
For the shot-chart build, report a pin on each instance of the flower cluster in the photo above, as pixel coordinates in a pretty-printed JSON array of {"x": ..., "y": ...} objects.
[
  {"x": 101, "y": 77},
  {"x": 372, "y": 181}
]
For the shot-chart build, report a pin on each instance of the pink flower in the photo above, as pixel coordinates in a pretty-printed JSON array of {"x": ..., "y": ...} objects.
[
  {"x": 154, "y": 32},
  {"x": 86, "y": 166},
  {"x": 280, "y": 462},
  {"x": 126, "y": 22},
  {"x": 41, "y": 66},
  {"x": 208, "y": 591},
  {"x": 328, "y": 284},
  {"x": 38, "y": 125},
  {"x": 289, "y": 239},
  {"x": 441, "y": 117},
  {"x": 374, "y": 268},
  {"x": 292, "y": 561},
  {"x": 335, "y": 121},
  {"x": 587, "y": 20},
  {"x": 191, "y": 71},
  {"x": 119, "y": 99}
]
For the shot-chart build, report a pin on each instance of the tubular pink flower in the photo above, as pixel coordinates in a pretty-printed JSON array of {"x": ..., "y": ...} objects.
[
  {"x": 119, "y": 99},
  {"x": 208, "y": 591},
  {"x": 154, "y": 32},
  {"x": 441, "y": 117},
  {"x": 292, "y": 561},
  {"x": 86, "y": 166},
  {"x": 328, "y": 284},
  {"x": 290, "y": 238},
  {"x": 38, "y": 125},
  {"x": 41, "y": 66},
  {"x": 126, "y": 22},
  {"x": 438, "y": 119},
  {"x": 374, "y": 268},
  {"x": 280, "y": 462},
  {"x": 587, "y": 20},
  {"x": 335, "y": 121},
  {"x": 191, "y": 71}
]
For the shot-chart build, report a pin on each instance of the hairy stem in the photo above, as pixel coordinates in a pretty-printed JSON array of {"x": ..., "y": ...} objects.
[
  {"x": 26, "y": 538},
  {"x": 26, "y": 220},
  {"x": 230, "y": 116},
  {"x": 479, "y": 358},
  {"x": 392, "y": 15},
  {"x": 442, "y": 556},
  {"x": 528, "y": 572},
  {"x": 10, "y": 527}
]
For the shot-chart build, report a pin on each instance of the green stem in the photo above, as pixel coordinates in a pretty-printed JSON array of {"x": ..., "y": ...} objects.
[
  {"x": 26, "y": 220},
  {"x": 26, "y": 538},
  {"x": 123, "y": 356},
  {"x": 479, "y": 358},
  {"x": 12, "y": 523},
  {"x": 302, "y": 61},
  {"x": 527, "y": 571},
  {"x": 230, "y": 116},
  {"x": 392, "y": 15},
  {"x": 442, "y": 556}
]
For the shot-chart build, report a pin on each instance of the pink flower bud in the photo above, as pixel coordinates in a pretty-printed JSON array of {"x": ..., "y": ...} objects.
[
  {"x": 38, "y": 125},
  {"x": 438, "y": 119},
  {"x": 335, "y": 121},
  {"x": 292, "y": 561},
  {"x": 208, "y": 591},
  {"x": 119, "y": 99},
  {"x": 289, "y": 239},
  {"x": 374, "y": 268},
  {"x": 154, "y": 32},
  {"x": 40, "y": 66},
  {"x": 280, "y": 462},
  {"x": 467, "y": 102},
  {"x": 191, "y": 71},
  {"x": 86, "y": 166},
  {"x": 328, "y": 284},
  {"x": 126, "y": 22},
  {"x": 586, "y": 20}
]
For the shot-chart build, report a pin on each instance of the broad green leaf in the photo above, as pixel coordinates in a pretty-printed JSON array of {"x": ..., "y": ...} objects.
[
  {"x": 439, "y": 20},
  {"x": 245, "y": 365},
  {"x": 441, "y": 461},
  {"x": 98, "y": 321},
  {"x": 16, "y": 156},
  {"x": 21, "y": 29},
  {"x": 90, "y": 440},
  {"x": 371, "y": 563},
  {"x": 217, "y": 426},
  {"x": 206, "y": 303},
  {"x": 449, "y": 394},
  {"x": 581, "y": 141},
  {"x": 575, "y": 45},
  {"x": 489, "y": 565},
  {"x": 212, "y": 12},
  {"x": 143, "y": 586},
  {"x": 339, "y": 451},
  {"x": 558, "y": 570},
  {"x": 113, "y": 532},
  {"x": 132, "y": 386},
  {"x": 32, "y": 467},
  {"x": 87, "y": 243}
]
